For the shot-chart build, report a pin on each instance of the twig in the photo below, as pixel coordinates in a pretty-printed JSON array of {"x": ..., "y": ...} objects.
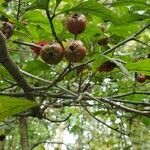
[
  {"x": 131, "y": 102},
  {"x": 141, "y": 42},
  {"x": 27, "y": 44},
  {"x": 114, "y": 129},
  {"x": 18, "y": 10},
  {"x": 55, "y": 121},
  {"x": 130, "y": 93},
  {"x": 50, "y": 19},
  {"x": 128, "y": 109},
  {"x": 126, "y": 40}
]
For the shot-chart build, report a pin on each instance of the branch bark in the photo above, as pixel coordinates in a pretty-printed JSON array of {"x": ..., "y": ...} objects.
[
  {"x": 132, "y": 37},
  {"x": 23, "y": 133},
  {"x": 12, "y": 68}
]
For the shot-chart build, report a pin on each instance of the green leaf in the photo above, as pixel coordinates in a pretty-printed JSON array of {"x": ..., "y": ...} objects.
[
  {"x": 142, "y": 66},
  {"x": 120, "y": 65},
  {"x": 58, "y": 2},
  {"x": 141, "y": 3},
  {"x": 146, "y": 121},
  {"x": 124, "y": 30},
  {"x": 36, "y": 16},
  {"x": 132, "y": 17},
  {"x": 39, "y": 4},
  {"x": 36, "y": 67},
  {"x": 94, "y": 8},
  {"x": 10, "y": 106}
]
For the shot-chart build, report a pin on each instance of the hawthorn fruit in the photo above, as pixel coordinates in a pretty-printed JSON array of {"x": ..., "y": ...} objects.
[
  {"x": 76, "y": 23},
  {"x": 107, "y": 66},
  {"x": 37, "y": 50},
  {"x": 104, "y": 41},
  {"x": 141, "y": 78},
  {"x": 75, "y": 51},
  {"x": 52, "y": 54}
]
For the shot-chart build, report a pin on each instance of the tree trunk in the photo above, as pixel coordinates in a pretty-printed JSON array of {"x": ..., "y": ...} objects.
[
  {"x": 23, "y": 133},
  {"x": 2, "y": 141}
]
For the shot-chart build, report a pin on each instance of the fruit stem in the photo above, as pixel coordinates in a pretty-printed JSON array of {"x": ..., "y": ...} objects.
[
  {"x": 50, "y": 18},
  {"x": 75, "y": 37},
  {"x": 27, "y": 44}
]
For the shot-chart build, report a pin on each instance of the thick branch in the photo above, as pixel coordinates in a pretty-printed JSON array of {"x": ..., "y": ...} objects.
[
  {"x": 10, "y": 66},
  {"x": 23, "y": 133}
]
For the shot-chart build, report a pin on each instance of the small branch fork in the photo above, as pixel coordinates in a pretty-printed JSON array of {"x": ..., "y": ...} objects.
[
  {"x": 105, "y": 100},
  {"x": 56, "y": 121},
  {"x": 132, "y": 37},
  {"x": 17, "y": 74}
]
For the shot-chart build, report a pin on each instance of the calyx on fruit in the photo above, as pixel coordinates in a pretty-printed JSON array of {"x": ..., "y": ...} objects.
[
  {"x": 76, "y": 23},
  {"x": 52, "y": 54},
  {"x": 75, "y": 51},
  {"x": 107, "y": 66},
  {"x": 37, "y": 50},
  {"x": 140, "y": 78}
]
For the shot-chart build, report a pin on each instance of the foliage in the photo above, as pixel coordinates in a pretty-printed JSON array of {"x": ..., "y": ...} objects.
[{"x": 96, "y": 110}]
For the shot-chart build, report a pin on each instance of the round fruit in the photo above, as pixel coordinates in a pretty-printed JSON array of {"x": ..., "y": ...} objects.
[
  {"x": 37, "y": 50},
  {"x": 75, "y": 51},
  {"x": 141, "y": 78},
  {"x": 104, "y": 41},
  {"x": 107, "y": 66},
  {"x": 52, "y": 54},
  {"x": 76, "y": 23}
]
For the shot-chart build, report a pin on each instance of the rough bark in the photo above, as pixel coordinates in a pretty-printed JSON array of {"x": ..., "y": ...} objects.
[
  {"x": 12, "y": 68},
  {"x": 23, "y": 133}
]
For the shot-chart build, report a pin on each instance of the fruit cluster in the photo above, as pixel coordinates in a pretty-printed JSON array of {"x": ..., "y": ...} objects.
[{"x": 74, "y": 52}]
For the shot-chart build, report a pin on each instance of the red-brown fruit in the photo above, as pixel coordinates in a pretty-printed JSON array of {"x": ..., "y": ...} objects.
[
  {"x": 52, "y": 54},
  {"x": 141, "y": 78},
  {"x": 103, "y": 41},
  {"x": 75, "y": 51},
  {"x": 37, "y": 50},
  {"x": 76, "y": 23},
  {"x": 107, "y": 66}
]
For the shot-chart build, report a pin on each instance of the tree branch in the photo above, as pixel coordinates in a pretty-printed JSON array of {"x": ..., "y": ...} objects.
[
  {"x": 55, "y": 121},
  {"x": 126, "y": 40},
  {"x": 11, "y": 67},
  {"x": 114, "y": 129}
]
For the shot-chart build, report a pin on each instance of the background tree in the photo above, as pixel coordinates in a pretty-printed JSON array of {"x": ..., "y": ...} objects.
[{"x": 74, "y": 74}]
